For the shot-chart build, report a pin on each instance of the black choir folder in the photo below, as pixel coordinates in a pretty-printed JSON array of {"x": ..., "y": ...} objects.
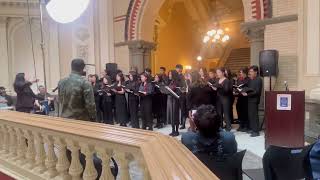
[{"x": 170, "y": 92}]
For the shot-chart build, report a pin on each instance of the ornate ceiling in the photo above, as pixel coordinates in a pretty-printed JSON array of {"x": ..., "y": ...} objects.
[{"x": 202, "y": 12}]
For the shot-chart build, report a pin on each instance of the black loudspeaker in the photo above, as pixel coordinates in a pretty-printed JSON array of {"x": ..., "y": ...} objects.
[
  {"x": 111, "y": 70},
  {"x": 111, "y": 67},
  {"x": 269, "y": 63}
]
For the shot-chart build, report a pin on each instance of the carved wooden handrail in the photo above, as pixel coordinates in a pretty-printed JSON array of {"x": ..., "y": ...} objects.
[{"x": 44, "y": 155}]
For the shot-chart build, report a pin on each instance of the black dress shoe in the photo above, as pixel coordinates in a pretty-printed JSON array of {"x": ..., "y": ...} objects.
[
  {"x": 242, "y": 129},
  {"x": 255, "y": 134},
  {"x": 182, "y": 127},
  {"x": 249, "y": 131},
  {"x": 176, "y": 134},
  {"x": 172, "y": 134}
]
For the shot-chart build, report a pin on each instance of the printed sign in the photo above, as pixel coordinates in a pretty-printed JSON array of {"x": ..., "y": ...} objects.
[{"x": 284, "y": 102}]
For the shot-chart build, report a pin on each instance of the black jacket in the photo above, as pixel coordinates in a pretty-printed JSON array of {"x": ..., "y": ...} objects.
[
  {"x": 25, "y": 95},
  {"x": 255, "y": 89},
  {"x": 198, "y": 96}
]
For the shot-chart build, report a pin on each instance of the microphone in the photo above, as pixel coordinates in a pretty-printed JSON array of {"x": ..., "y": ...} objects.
[{"x": 286, "y": 85}]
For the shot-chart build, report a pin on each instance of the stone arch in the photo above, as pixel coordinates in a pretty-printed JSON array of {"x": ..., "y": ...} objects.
[{"x": 142, "y": 14}]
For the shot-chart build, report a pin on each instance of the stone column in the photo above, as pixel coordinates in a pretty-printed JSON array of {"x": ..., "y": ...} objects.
[
  {"x": 104, "y": 33},
  {"x": 256, "y": 38},
  {"x": 140, "y": 54},
  {"x": 4, "y": 59}
]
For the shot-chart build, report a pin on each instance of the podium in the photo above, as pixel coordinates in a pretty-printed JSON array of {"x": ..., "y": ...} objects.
[{"x": 285, "y": 114}]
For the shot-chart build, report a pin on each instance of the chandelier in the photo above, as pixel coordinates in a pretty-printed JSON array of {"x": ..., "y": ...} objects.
[{"x": 216, "y": 34}]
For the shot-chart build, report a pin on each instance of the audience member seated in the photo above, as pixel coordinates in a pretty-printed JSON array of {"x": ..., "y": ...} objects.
[
  {"x": 315, "y": 160},
  {"x": 6, "y": 101},
  {"x": 209, "y": 135},
  {"x": 45, "y": 102}
]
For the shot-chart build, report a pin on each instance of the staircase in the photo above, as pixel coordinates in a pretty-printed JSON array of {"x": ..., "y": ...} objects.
[{"x": 238, "y": 59}]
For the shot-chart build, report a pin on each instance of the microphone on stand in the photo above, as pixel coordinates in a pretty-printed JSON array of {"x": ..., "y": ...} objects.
[{"x": 286, "y": 85}]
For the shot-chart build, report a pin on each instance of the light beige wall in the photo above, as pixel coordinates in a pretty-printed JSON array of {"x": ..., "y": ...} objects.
[
  {"x": 284, "y": 38},
  {"x": 90, "y": 37},
  {"x": 120, "y": 8}
]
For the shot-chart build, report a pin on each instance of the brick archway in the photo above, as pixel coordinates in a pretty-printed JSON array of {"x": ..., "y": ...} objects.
[{"x": 141, "y": 16}]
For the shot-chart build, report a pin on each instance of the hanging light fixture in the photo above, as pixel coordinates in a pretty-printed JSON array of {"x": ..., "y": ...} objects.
[
  {"x": 216, "y": 34},
  {"x": 66, "y": 11}
]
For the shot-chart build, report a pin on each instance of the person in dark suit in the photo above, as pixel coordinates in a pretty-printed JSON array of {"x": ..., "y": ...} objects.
[
  {"x": 173, "y": 103},
  {"x": 224, "y": 97},
  {"x": 94, "y": 80},
  {"x": 213, "y": 80},
  {"x": 160, "y": 101},
  {"x": 106, "y": 100},
  {"x": 254, "y": 94},
  {"x": 133, "y": 100},
  {"x": 146, "y": 91},
  {"x": 181, "y": 89},
  {"x": 120, "y": 100},
  {"x": 242, "y": 103}
]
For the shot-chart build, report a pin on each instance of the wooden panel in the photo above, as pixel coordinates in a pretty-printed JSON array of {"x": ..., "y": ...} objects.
[{"x": 285, "y": 128}]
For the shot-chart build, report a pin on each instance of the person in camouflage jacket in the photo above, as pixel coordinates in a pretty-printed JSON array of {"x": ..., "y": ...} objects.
[{"x": 76, "y": 98}]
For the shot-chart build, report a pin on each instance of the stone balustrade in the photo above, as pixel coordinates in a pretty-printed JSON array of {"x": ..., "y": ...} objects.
[{"x": 35, "y": 147}]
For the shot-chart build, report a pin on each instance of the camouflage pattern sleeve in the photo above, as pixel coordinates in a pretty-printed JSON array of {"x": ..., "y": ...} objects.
[{"x": 89, "y": 100}]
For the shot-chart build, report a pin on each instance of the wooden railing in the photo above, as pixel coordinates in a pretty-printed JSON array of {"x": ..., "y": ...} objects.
[{"x": 34, "y": 147}]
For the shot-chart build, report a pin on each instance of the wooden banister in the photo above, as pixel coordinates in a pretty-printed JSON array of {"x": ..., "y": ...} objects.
[{"x": 158, "y": 156}]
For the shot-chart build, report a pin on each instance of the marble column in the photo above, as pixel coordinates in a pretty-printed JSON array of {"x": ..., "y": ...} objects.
[
  {"x": 256, "y": 39},
  {"x": 4, "y": 59},
  {"x": 140, "y": 54},
  {"x": 104, "y": 33}
]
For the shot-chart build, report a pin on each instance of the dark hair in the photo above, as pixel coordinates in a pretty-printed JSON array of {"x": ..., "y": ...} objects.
[
  {"x": 197, "y": 81},
  {"x": 223, "y": 70},
  {"x": 163, "y": 68},
  {"x": 94, "y": 75},
  {"x": 207, "y": 121},
  {"x": 160, "y": 77},
  {"x": 204, "y": 71},
  {"x": 175, "y": 75},
  {"x": 228, "y": 73},
  {"x": 212, "y": 70},
  {"x": 77, "y": 65},
  {"x": 254, "y": 68},
  {"x": 244, "y": 70},
  {"x": 179, "y": 66},
  {"x": 148, "y": 70},
  {"x": 108, "y": 78},
  {"x": 134, "y": 75},
  {"x": 19, "y": 82},
  {"x": 120, "y": 74}
]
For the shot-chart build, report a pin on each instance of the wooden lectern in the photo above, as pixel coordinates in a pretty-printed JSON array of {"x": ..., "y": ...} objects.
[{"x": 285, "y": 113}]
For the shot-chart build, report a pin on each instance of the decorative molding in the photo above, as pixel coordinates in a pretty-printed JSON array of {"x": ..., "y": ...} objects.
[
  {"x": 133, "y": 18},
  {"x": 255, "y": 34},
  {"x": 264, "y": 22},
  {"x": 19, "y": 4},
  {"x": 261, "y": 9}
]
